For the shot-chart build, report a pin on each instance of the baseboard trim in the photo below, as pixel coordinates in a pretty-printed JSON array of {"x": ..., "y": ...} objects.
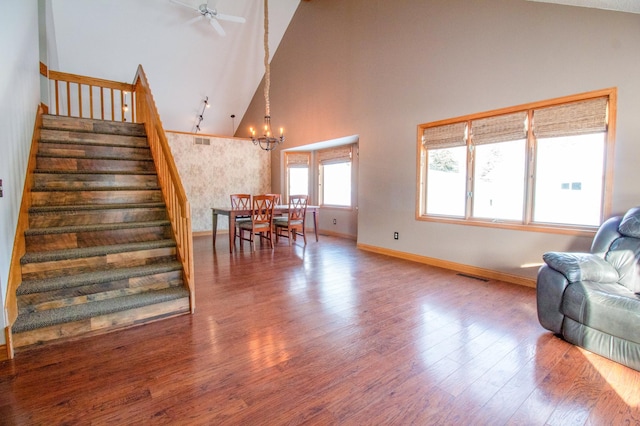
[
  {"x": 333, "y": 234},
  {"x": 453, "y": 266}
]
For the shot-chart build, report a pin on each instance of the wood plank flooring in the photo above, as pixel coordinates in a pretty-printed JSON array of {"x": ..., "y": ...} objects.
[{"x": 326, "y": 334}]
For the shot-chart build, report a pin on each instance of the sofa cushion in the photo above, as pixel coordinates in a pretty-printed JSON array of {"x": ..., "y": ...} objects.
[
  {"x": 624, "y": 255},
  {"x": 581, "y": 266},
  {"x": 609, "y": 308},
  {"x": 630, "y": 224}
]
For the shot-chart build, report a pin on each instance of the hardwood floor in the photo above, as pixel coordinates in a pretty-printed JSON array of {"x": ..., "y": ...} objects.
[{"x": 327, "y": 334}]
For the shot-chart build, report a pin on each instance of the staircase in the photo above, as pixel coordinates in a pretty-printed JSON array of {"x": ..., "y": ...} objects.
[{"x": 100, "y": 254}]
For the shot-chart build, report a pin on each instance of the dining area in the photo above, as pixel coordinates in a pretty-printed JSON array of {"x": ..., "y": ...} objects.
[{"x": 264, "y": 219}]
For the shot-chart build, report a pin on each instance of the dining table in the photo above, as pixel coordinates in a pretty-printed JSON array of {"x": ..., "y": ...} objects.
[{"x": 232, "y": 214}]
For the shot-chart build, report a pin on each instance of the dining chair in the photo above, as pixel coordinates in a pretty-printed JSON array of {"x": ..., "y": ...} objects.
[
  {"x": 261, "y": 221},
  {"x": 293, "y": 222},
  {"x": 240, "y": 202}
]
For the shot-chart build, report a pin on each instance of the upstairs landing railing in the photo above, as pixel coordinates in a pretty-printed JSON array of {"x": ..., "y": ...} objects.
[{"x": 86, "y": 97}]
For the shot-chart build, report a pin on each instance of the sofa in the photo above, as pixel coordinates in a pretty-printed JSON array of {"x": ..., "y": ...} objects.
[{"x": 592, "y": 300}]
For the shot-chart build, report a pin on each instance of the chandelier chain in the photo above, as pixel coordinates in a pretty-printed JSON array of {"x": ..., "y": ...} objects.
[{"x": 267, "y": 66}]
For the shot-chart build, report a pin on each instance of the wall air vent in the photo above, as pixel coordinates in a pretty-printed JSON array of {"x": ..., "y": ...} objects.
[{"x": 202, "y": 141}]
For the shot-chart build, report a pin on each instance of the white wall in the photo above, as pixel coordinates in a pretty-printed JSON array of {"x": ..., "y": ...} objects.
[
  {"x": 19, "y": 98},
  {"x": 378, "y": 68}
]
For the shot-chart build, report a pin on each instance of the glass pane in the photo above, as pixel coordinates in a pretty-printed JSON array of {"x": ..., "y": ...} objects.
[
  {"x": 446, "y": 181},
  {"x": 298, "y": 181},
  {"x": 569, "y": 176},
  {"x": 499, "y": 171},
  {"x": 337, "y": 184}
]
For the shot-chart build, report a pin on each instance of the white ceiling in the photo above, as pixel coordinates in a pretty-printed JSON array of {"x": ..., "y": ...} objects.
[{"x": 184, "y": 63}]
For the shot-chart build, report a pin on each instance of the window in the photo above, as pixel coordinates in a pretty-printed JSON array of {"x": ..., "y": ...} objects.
[
  {"x": 541, "y": 165},
  {"x": 335, "y": 176},
  {"x": 297, "y": 173}
]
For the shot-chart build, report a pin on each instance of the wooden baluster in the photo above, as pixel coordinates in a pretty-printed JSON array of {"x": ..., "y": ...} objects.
[
  {"x": 91, "y": 100},
  {"x": 80, "y": 100},
  {"x": 68, "y": 100},
  {"x": 56, "y": 82}
]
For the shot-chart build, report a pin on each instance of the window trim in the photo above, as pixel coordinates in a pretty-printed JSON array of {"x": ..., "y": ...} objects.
[
  {"x": 296, "y": 164},
  {"x": 330, "y": 156},
  {"x": 527, "y": 223}
]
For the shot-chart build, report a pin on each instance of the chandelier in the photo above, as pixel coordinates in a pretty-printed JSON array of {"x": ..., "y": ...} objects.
[{"x": 268, "y": 140}]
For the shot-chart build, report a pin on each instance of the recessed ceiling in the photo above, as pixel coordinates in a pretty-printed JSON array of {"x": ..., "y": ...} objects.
[{"x": 632, "y": 6}]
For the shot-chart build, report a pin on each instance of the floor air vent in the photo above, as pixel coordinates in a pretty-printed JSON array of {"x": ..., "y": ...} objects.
[{"x": 472, "y": 277}]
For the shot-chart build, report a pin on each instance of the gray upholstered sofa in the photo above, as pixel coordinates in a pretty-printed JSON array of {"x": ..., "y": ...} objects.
[{"x": 593, "y": 299}]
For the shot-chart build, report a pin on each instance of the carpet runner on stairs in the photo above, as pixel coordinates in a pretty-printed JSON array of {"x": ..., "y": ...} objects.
[{"x": 100, "y": 252}]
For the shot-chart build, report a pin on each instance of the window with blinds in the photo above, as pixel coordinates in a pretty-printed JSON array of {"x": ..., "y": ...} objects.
[
  {"x": 545, "y": 164},
  {"x": 297, "y": 173},
  {"x": 335, "y": 178}
]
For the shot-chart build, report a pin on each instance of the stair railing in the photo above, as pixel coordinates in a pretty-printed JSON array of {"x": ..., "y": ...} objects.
[
  {"x": 173, "y": 192},
  {"x": 87, "y": 97}
]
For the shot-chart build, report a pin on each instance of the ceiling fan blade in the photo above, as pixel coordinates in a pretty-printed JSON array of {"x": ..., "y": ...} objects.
[
  {"x": 185, "y": 5},
  {"x": 194, "y": 20},
  {"x": 216, "y": 25},
  {"x": 231, "y": 18}
]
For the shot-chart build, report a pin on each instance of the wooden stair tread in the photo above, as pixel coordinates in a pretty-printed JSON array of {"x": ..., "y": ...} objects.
[
  {"x": 88, "y": 207},
  {"x": 91, "y": 157},
  {"x": 91, "y": 125},
  {"x": 95, "y": 227},
  {"x": 95, "y": 172},
  {"x": 95, "y": 188},
  {"x": 79, "y": 253},
  {"x": 46, "y": 318},
  {"x": 97, "y": 277}
]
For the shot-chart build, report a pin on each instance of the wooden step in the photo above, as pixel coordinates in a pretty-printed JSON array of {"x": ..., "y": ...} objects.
[
  {"x": 106, "y": 315},
  {"x": 41, "y": 197},
  {"x": 65, "y": 262},
  {"x": 88, "y": 214},
  {"x": 38, "y": 295},
  {"x": 92, "y": 125},
  {"x": 95, "y": 164},
  {"x": 78, "y": 236},
  {"x": 51, "y": 179},
  {"x": 68, "y": 136},
  {"x": 69, "y": 150}
]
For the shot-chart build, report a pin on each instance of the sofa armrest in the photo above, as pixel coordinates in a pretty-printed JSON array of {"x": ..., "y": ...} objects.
[{"x": 581, "y": 267}]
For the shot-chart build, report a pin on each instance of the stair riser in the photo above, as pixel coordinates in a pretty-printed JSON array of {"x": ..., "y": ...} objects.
[
  {"x": 101, "y": 324},
  {"x": 87, "y": 125},
  {"x": 46, "y": 220},
  {"x": 61, "y": 198},
  {"x": 96, "y": 238},
  {"x": 33, "y": 271},
  {"x": 51, "y": 135},
  {"x": 76, "y": 150},
  {"x": 95, "y": 292},
  {"x": 92, "y": 164},
  {"x": 66, "y": 181}
]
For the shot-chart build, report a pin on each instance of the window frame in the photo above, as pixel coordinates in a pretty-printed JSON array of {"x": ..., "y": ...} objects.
[
  {"x": 296, "y": 164},
  {"x": 527, "y": 223},
  {"x": 336, "y": 155}
]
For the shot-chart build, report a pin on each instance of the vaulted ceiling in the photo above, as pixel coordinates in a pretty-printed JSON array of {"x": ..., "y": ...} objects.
[{"x": 186, "y": 62}]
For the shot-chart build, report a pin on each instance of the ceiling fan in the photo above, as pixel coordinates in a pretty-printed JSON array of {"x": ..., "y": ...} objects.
[{"x": 212, "y": 14}]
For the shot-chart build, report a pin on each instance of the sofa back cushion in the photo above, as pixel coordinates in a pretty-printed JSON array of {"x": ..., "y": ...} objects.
[{"x": 624, "y": 255}]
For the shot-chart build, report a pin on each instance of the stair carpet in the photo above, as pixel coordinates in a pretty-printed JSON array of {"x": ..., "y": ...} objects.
[{"x": 99, "y": 249}]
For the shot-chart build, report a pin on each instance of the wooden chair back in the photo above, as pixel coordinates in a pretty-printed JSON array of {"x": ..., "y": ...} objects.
[
  {"x": 262, "y": 211},
  {"x": 297, "y": 208},
  {"x": 277, "y": 198},
  {"x": 240, "y": 201}
]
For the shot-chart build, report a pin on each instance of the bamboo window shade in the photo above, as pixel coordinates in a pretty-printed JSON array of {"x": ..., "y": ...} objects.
[
  {"x": 576, "y": 118},
  {"x": 297, "y": 159},
  {"x": 499, "y": 128},
  {"x": 337, "y": 154},
  {"x": 446, "y": 136}
]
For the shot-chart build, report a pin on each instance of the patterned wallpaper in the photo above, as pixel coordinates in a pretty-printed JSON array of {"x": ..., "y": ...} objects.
[{"x": 210, "y": 173}]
